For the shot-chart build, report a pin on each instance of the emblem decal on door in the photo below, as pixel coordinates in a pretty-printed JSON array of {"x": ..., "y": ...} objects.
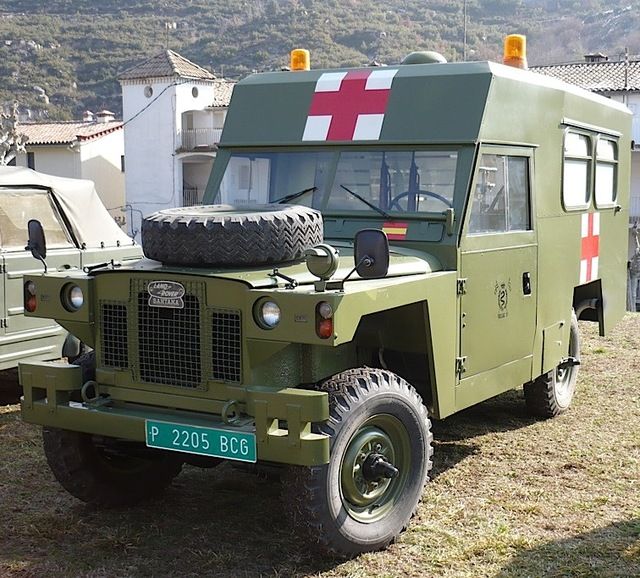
[{"x": 501, "y": 291}]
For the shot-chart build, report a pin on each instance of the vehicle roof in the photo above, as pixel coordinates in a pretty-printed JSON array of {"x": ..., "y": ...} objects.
[
  {"x": 90, "y": 221},
  {"x": 428, "y": 104}
]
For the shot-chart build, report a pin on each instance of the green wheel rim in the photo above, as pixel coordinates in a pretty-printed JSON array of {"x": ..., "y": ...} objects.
[{"x": 368, "y": 500}]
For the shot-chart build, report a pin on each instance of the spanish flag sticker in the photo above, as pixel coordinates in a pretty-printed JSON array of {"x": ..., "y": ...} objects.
[{"x": 395, "y": 231}]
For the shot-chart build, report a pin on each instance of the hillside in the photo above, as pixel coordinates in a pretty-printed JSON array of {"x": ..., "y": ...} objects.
[{"x": 60, "y": 57}]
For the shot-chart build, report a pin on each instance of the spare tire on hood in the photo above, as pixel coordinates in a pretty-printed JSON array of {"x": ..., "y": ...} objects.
[{"x": 228, "y": 236}]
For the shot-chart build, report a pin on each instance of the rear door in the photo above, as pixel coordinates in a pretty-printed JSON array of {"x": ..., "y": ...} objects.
[
  {"x": 17, "y": 207},
  {"x": 499, "y": 253}
]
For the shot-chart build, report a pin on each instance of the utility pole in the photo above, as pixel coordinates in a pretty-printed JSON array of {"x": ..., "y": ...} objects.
[{"x": 464, "y": 31}]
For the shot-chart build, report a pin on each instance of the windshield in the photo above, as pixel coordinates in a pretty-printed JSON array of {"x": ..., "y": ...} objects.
[{"x": 398, "y": 181}]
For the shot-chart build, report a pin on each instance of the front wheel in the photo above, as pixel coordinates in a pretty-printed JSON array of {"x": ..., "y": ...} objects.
[
  {"x": 105, "y": 471},
  {"x": 551, "y": 393},
  {"x": 380, "y": 460}
]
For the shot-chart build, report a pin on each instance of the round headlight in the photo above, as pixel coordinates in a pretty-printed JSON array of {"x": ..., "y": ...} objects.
[
  {"x": 72, "y": 297},
  {"x": 269, "y": 314}
]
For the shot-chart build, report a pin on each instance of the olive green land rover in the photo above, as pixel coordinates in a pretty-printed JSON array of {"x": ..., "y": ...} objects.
[{"x": 381, "y": 247}]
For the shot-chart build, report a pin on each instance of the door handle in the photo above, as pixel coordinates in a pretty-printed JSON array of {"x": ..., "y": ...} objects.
[{"x": 526, "y": 283}]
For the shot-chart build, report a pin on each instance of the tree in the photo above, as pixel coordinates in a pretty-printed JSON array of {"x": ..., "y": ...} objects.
[{"x": 11, "y": 141}]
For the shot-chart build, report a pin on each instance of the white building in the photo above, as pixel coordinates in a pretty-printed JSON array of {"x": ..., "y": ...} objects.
[
  {"x": 173, "y": 112},
  {"x": 92, "y": 149}
]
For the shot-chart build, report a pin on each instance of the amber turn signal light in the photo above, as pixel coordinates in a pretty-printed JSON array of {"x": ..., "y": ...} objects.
[
  {"x": 30, "y": 301},
  {"x": 324, "y": 320}
]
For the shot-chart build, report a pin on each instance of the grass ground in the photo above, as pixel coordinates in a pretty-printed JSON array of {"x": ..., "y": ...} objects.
[{"x": 510, "y": 496}]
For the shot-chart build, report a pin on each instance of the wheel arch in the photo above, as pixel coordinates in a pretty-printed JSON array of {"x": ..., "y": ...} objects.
[{"x": 399, "y": 339}]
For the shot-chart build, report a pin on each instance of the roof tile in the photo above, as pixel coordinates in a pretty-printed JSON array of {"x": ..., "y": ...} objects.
[
  {"x": 597, "y": 76},
  {"x": 65, "y": 132},
  {"x": 166, "y": 63},
  {"x": 222, "y": 92}
]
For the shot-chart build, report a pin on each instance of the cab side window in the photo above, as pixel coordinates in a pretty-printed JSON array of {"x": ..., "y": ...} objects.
[
  {"x": 17, "y": 207},
  {"x": 501, "y": 198}
]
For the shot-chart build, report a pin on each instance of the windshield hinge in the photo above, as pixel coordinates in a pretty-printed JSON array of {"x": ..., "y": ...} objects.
[
  {"x": 462, "y": 286},
  {"x": 461, "y": 366}
]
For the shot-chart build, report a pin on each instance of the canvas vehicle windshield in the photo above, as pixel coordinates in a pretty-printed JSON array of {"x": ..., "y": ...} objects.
[{"x": 387, "y": 181}]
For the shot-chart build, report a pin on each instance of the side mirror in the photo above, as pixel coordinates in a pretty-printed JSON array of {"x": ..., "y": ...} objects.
[
  {"x": 37, "y": 244},
  {"x": 371, "y": 253}
]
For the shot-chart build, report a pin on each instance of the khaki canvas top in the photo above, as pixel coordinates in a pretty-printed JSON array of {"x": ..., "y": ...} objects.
[{"x": 90, "y": 222}]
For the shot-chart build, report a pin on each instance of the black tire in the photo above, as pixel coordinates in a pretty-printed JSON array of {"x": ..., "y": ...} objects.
[
  {"x": 551, "y": 394},
  {"x": 225, "y": 235},
  {"x": 340, "y": 509},
  {"x": 107, "y": 472}
]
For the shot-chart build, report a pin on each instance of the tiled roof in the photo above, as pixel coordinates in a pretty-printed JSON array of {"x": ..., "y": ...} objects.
[
  {"x": 222, "y": 90},
  {"x": 65, "y": 132},
  {"x": 167, "y": 63},
  {"x": 597, "y": 76}
]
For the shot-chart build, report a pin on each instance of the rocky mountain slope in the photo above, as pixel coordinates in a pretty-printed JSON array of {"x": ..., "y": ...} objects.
[{"x": 60, "y": 57}]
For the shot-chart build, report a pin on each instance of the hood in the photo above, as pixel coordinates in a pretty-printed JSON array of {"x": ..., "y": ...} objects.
[{"x": 402, "y": 262}]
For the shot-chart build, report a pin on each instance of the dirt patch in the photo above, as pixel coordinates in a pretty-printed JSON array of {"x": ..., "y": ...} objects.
[{"x": 510, "y": 496}]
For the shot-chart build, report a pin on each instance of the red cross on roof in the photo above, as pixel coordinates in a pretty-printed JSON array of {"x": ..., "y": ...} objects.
[
  {"x": 590, "y": 251},
  {"x": 348, "y": 106}
]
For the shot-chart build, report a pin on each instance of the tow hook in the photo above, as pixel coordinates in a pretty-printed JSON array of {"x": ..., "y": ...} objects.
[
  {"x": 91, "y": 397},
  {"x": 568, "y": 362},
  {"x": 376, "y": 467}
]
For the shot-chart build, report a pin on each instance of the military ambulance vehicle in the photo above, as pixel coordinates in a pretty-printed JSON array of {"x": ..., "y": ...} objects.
[
  {"x": 384, "y": 246},
  {"x": 80, "y": 233}
]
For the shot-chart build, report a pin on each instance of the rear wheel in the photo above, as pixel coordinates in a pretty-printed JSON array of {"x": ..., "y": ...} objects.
[
  {"x": 105, "y": 471},
  {"x": 380, "y": 459},
  {"x": 551, "y": 394}
]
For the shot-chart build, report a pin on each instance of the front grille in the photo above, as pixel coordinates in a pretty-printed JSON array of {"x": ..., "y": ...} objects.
[
  {"x": 182, "y": 347},
  {"x": 226, "y": 346},
  {"x": 169, "y": 342},
  {"x": 113, "y": 335}
]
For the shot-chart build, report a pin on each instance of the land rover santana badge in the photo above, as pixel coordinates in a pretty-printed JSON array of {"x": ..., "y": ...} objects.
[{"x": 167, "y": 294}]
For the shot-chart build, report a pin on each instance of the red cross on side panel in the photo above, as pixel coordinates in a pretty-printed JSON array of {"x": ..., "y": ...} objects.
[
  {"x": 349, "y": 105},
  {"x": 590, "y": 250}
]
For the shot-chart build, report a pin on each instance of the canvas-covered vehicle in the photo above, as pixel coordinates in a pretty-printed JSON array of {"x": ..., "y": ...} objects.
[
  {"x": 80, "y": 233},
  {"x": 384, "y": 246}
]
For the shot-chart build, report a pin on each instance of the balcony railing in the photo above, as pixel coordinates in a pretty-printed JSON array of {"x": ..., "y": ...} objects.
[
  {"x": 191, "y": 139},
  {"x": 190, "y": 197}
]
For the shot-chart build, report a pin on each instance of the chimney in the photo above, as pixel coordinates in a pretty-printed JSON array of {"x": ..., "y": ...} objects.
[
  {"x": 596, "y": 57},
  {"x": 105, "y": 116},
  {"x": 87, "y": 116}
]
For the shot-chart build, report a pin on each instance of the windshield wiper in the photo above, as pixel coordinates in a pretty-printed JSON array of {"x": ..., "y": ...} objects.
[
  {"x": 376, "y": 209},
  {"x": 292, "y": 196}
]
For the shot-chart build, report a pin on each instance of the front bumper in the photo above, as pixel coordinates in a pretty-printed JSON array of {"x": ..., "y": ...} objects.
[{"x": 50, "y": 390}]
